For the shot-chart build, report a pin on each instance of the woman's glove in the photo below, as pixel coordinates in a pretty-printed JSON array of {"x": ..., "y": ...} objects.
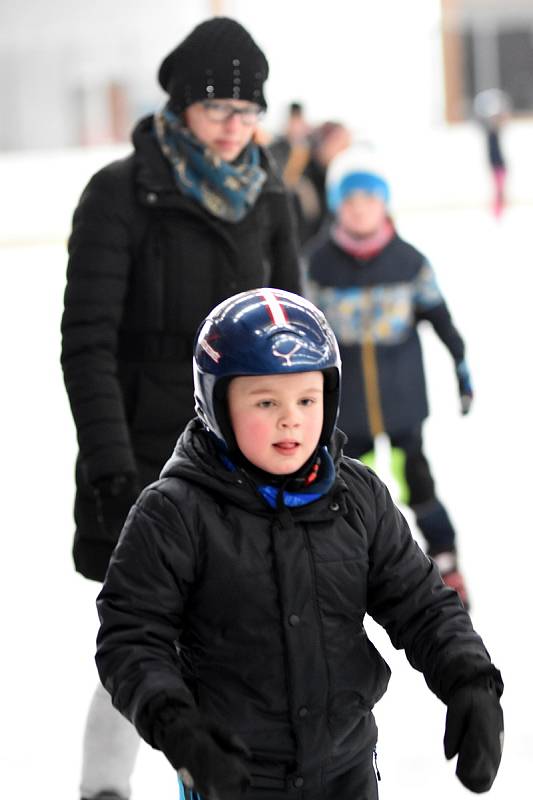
[
  {"x": 466, "y": 392},
  {"x": 100, "y": 511},
  {"x": 474, "y": 732},
  {"x": 213, "y": 757},
  {"x": 114, "y": 496}
]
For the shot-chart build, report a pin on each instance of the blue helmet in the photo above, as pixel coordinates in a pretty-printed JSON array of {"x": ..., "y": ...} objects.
[{"x": 262, "y": 332}]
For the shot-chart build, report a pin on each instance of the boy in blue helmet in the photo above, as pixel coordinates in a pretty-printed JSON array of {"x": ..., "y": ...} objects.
[{"x": 232, "y": 612}]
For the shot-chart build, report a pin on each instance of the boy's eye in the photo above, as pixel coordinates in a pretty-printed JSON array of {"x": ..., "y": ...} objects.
[
  {"x": 265, "y": 403},
  {"x": 307, "y": 401}
]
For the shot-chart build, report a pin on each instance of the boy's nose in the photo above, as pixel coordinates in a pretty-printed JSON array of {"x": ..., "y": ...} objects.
[{"x": 290, "y": 419}]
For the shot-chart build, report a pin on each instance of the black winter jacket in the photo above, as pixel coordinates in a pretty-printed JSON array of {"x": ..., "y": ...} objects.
[
  {"x": 213, "y": 599},
  {"x": 374, "y": 307},
  {"x": 146, "y": 266}
]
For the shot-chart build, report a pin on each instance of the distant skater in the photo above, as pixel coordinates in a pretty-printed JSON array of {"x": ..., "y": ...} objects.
[
  {"x": 492, "y": 108},
  {"x": 375, "y": 288}
]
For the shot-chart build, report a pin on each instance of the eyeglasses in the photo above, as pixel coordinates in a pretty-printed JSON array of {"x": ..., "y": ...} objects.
[{"x": 218, "y": 111}]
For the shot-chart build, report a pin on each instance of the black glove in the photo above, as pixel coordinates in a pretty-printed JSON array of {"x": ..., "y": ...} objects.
[
  {"x": 474, "y": 731},
  {"x": 114, "y": 496},
  {"x": 212, "y": 755},
  {"x": 466, "y": 392}
]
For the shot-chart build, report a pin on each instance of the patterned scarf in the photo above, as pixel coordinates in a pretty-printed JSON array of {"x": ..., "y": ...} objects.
[
  {"x": 227, "y": 190},
  {"x": 363, "y": 248}
]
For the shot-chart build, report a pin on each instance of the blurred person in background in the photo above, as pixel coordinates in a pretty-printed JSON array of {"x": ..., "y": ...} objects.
[
  {"x": 492, "y": 108},
  {"x": 292, "y": 149},
  {"x": 304, "y": 166},
  {"x": 195, "y": 214},
  {"x": 374, "y": 289},
  {"x": 497, "y": 164}
]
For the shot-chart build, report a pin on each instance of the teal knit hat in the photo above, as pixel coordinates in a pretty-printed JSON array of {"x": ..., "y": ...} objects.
[{"x": 355, "y": 170}]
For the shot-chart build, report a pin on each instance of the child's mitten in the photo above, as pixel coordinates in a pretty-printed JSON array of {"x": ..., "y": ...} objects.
[
  {"x": 474, "y": 732},
  {"x": 213, "y": 757}
]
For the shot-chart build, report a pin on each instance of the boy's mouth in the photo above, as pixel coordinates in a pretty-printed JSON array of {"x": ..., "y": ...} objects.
[{"x": 287, "y": 447}]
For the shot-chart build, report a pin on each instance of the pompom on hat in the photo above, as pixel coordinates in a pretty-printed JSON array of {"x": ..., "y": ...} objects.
[
  {"x": 218, "y": 59},
  {"x": 356, "y": 169}
]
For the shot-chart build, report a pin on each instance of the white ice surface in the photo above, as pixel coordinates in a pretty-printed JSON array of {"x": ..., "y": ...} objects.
[{"x": 481, "y": 463}]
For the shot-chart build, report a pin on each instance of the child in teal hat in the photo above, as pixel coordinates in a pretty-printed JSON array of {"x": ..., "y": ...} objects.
[{"x": 375, "y": 288}]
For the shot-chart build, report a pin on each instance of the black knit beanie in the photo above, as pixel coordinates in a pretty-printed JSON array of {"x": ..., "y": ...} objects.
[{"x": 218, "y": 59}]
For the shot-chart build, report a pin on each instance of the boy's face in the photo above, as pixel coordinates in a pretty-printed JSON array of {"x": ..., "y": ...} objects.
[
  {"x": 277, "y": 419},
  {"x": 362, "y": 214}
]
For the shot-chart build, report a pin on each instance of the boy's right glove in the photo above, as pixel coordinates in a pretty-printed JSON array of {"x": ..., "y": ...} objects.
[
  {"x": 212, "y": 756},
  {"x": 474, "y": 731}
]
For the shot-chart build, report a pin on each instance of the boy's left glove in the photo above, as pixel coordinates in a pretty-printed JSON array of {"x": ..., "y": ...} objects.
[
  {"x": 204, "y": 752},
  {"x": 474, "y": 731},
  {"x": 466, "y": 392}
]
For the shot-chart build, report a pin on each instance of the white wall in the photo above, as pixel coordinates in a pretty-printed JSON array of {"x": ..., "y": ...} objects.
[
  {"x": 51, "y": 48},
  {"x": 373, "y": 64}
]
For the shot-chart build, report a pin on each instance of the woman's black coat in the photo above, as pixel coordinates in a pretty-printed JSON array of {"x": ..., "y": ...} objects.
[
  {"x": 146, "y": 266},
  {"x": 213, "y": 599}
]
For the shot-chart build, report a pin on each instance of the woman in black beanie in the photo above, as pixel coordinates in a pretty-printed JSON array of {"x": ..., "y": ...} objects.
[{"x": 195, "y": 214}]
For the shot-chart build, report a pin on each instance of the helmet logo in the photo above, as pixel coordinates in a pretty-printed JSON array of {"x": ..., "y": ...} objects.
[
  {"x": 211, "y": 352},
  {"x": 287, "y": 356}
]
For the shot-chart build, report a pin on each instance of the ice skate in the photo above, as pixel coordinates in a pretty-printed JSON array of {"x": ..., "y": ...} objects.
[{"x": 452, "y": 576}]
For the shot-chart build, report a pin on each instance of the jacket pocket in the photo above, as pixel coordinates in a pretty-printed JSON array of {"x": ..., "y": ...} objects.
[{"x": 357, "y": 684}]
